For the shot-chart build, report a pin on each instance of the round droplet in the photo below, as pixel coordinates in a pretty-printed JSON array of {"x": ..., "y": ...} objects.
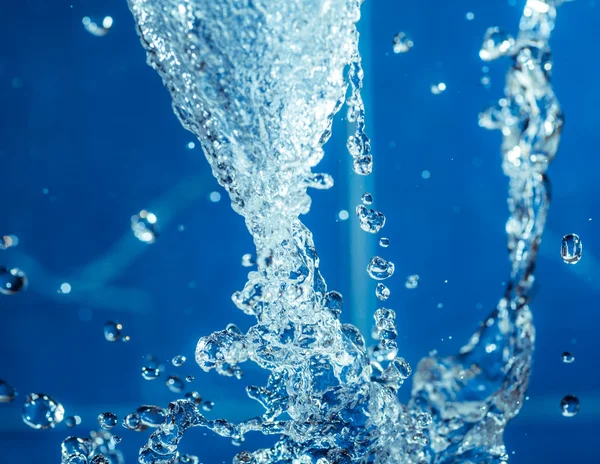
[
  {"x": 151, "y": 416},
  {"x": 116, "y": 439},
  {"x": 402, "y": 43},
  {"x": 412, "y": 281},
  {"x": 178, "y": 360},
  {"x": 380, "y": 269},
  {"x": 175, "y": 384},
  {"x": 72, "y": 421},
  {"x": 145, "y": 226},
  {"x": 189, "y": 459},
  {"x": 384, "y": 242},
  {"x": 113, "y": 331},
  {"x": 569, "y": 406},
  {"x": 496, "y": 43},
  {"x": 107, "y": 420},
  {"x": 12, "y": 280},
  {"x": 382, "y": 292},
  {"x": 189, "y": 379},
  {"x": 248, "y": 260},
  {"x": 567, "y": 357},
  {"x": 571, "y": 249},
  {"x": 367, "y": 198},
  {"x": 403, "y": 367},
  {"x": 208, "y": 405},
  {"x": 42, "y": 412},
  {"x": 150, "y": 373},
  {"x": 133, "y": 422},
  {"x": 194, "y": 397},
  {"x": 7, "y": 392}
]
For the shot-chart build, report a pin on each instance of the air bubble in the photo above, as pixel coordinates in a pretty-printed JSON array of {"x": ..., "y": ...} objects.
[
  {"x": 569, "y": 406},
  {"x": 382, "y": 292},
  {"x": 402, "y": 43},
  {"x": 107, "y": 420},
  {"x": 7, "y": 392},
  {"x": 42, "y": 412},
  {"x": 380, "y": 269},
  {"x": 567, "y": 357},
  {"x": 145, "y": 226},
  {"x": 113, "y": 331},
  {"x": 571, "y": 249},
  {"x": 178, "y": 360},
  {"x": 12, "y": 281},
  {"x": 412, "y": 281}
]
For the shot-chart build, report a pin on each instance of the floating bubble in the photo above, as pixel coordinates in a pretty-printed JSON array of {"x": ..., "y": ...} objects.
[
  {"x": 412, "y": 281},
  {"x": 175, "y": 384},
  {"x": 367, "y": 198},
  {"x": 402, "y": 43},
  {"x": 380, "y": 269},
  {"x": 571, "y": 249},
  {"x": 72, "y": 421},
  {"x": 113, "y": 331},
  {"x": 370, "y": 221},
  {"x": 382, "y": 292},
  {"x": 248, "y": 260},
  {"x": 107, "y": 420},
  {"x": 496, "y": 43},
  {"x": 42, "y": 412},
  {"x": 190, "y": 145},
  {"x": 145, "y": 226},
  {"x": 7, "y": 241},
  {"x": 12, "y": 281},
  {"x": 7, "y": 392},
  {"x": 97, "y": 28},
  {"x": 569, "y": 406},
  {"x": 384, "y": 242},
  {"x": 567, "y": 357},
  {"x": 178, "y": 360},
  {"x": 438, "y": 88}
]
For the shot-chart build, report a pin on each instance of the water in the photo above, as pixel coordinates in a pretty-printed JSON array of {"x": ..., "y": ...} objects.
[
  {"x": 567, "y": 357},
  {"x": 178, "y": 360},
  {"x": 569, "y": 406},
  {"x": 380, "y": 269},
  {"x": 571, "y": 249},
  {"x": 12, "y": 281},
  {"x": 42, "y": 412}
]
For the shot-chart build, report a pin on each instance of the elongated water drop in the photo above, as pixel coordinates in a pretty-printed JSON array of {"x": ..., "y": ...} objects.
[
  {"x": 12, "y": 280},
  {"x": 178, "y": 360},
  {"x": 571, "y": 249},
  {"x": 569, "y": 406},
  {"x": 380, "y": 269},
  {"x": 42, "y": 412}
]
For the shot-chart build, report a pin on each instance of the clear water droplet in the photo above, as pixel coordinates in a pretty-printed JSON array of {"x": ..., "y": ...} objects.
[
  {"x": 367, "y": 198},
  {"x": 569, "y": 406},
  {"x": 42, "y": 412},
  {"x": 412, "y": 281},
  {"x": 72, "y": 421},
  {"x": 382, "y": 292},
  {"x": 150, "y": 373},
  {"x": 12, "y": 281},
  {"x": 496, "y": 43},
  {"x": 7, "y": 241},
  {"x": 7, "y": 392},
  {"x": 145, "y": 226},
  {"x": 438, "y": 88},
  {"x": 116, "y": 439},
  {"x": 194, "y": 397},
  {"x": 133, "y": 422},
  {"x": 107, "y": 420},
  {"x": 188, "y": 459},
  {"x": 248, "y": 260},
  {"x": 189, "y": 379},
  {"x": 151, "y": 416},
  {"x": 370, "y": 220},
  {"x": 402, "y": 43},
  {"x": 363, "y": 165},
  {"x": 384, "y": 242},
  {"x": 113, "y": 331},
  {"x": 567, "y": 357},
  {"x": 571, "y": 249},
  {"x": 175, "y": 384},
  {"x": 208, "y": 405},
  {"x": 380, "y": 269},
  {"x": 178, "y": 360}
]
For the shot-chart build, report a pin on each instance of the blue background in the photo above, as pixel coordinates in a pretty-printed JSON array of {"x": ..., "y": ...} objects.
[{"x": 85, "y": 118}]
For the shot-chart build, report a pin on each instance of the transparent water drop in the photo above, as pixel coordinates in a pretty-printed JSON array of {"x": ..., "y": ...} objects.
[
  {"x": 12, "y": 280},
  {"x": 107, "y": 420},
  {"x": 343, "y": 214},
  {"x": 189, "y": 379},
  {"x": 98, "y": 28},
  {"x": 145, "y": 226},
  {"x": 248, "y": 260},
  {"x": 116, "y": 439},
  {"x": 150, "y": 373},
  {"x": 384, "y": 242},
  {"x": 370, "y": 220},
  {"x": 567, "y": 357},
  {"x": 569, "y": 406},
  {"x": 72, "y": 421},
  {"x": 75, "y": 450},
  {"x": 188, "y": 459},
  {"x": 320, "y": 181},
  {"x": 403, "y": 367},
  {"x": 380, "y": 269},
  {"x": 7, "y": 241},
  {"x": 402, "y": 43},
  {"x": 367, "y": 198},
  {"x": 178, "y": 360},
  {"x": 571, "y": 249},
  {"x": 151, "y": 416},
  {"x": 194, "y": 397},
  {"x": 42, "y": 412},
  {"x": 412, "y": 281},
  {"x": 175, "y": 384},
  {"x": 133, "y": 422},
  {"x": 382, "y": 292},
  {"x": 208, "y": 405},
  {"x": 113, "y": 331},
  {"x": 7, "y": 392},
  {"x": 496, "y": 43},
  {"x": 98, "y": 459}
]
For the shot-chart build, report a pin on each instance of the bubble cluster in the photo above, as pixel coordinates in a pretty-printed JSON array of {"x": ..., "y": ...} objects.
[{"x": 113, "y": 331}]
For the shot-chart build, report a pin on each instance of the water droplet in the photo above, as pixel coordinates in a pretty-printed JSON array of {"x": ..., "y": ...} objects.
[
  {"x": 412, "y": 281},
  {"x": 215, "y": 197},
  {"x": 248, "y": 260},
  {"x": 382, "y": 292},
  {"x": 208, "y": 405},
  {"x": 75, "y": 450},
  {"x": 367, "y": 198},
  {"x": 424, "y": 420},
  {"x": 12, "y": 280},
  {"x": 384, "y": 242},
  {"x": 116, "y": 439},
  {"x": 7, "y": 392},
  {"x": 150, "y": 373},
  {"x": 425, "y": 174},
  {"x": 97, "y": 28},
  {"x": 133, "y": 422},
  {"x": 403, "y": 367},
  {"x": 113, "y": 331},
  {"x": 72, "y": 421},
  {"x": 65, "y": 288},
  {"x": 190, "y": 145},
  {"x": 145, "y": 226},
  {"x": 380, "y": 269},
  {"x": 189, "y": 459},
  {"x": 320, "y": 181},
  {"x": 343, "y": 215},
  {"x": 571, "y": 249},
  {"x": 8, "y": 241},
  {"x": 175, "y": 384},
  {"x": 42, "y": 412},
  {"x": 151, "y": 416},
  {"x": 496, "y": 43},
  {"x": 363, "y": 165},
  {"x": 178, "y": 360},
  {"x": 370, "y": 221},
  {"x": 438, "y": 88},
  {"x": 567, "y": 357},
  {"x": 107, "y": 420},
  {"x": 569, "y": 406},
  {"x": 470, "y": 16},
  {"x": 189, "y": 379},
  {"x": 402, "y": 43}
]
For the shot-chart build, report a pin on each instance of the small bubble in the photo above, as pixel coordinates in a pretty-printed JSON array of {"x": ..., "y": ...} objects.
[
  {"x": 7, "y": 241},
  {"x": 571, "y": 249},
  {"x": 425, "y": 174},
  {"x": 189, "y": 379},
  {"x": 569, "y": 406},
  {"x": 384, "y": 242},
  {"x": 382, "y": 292},
  {"x": 150, "y": 373},
  {"x": 178, "y": 360},
  {"x": 190, "y": 145},
  {"x": 107, "y": 420},
  {"x": 367, "y": 198},
  {"x": 145, "y": 226},
  {"x": 438, "y": 88},
  {"x": 402, "y": 43},
  {"x": 42, "y": 412},
  {"x": 496, "y": 43},
  {"x": 208, "y": 405},
  {"x": 12, "y": 281},
  {"x": 470, "y": 16},
  {"x": 113, "y": 331},
  {"x": 175, "y": 384},
  {"x": 65, "y": 288},
  {"x": 567, "y": 357},
  {"x": 7, "y": 392},
  {"x": 72, "y": 421},
  {"x": 343, "y": 215},
  {"x": 248, "y": 260},
  {"x": 380, "y": 269},
  {"x": 215, "y": 197},
  {"x": 412, "y": 281}
]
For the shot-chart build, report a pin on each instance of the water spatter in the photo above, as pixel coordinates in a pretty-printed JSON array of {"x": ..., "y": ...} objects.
[
  {"x": 42, "y": 412},
  {"x": 571, "y": 249},
  {"x": 7, "y": 392},
  {"x": 402, "y": 43},
  {"x": 107, "y": 420},
  {"x": 569, "y": 406},
  {"x": 12, "y": 280},
  {"x": 145, "y": 226}
]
